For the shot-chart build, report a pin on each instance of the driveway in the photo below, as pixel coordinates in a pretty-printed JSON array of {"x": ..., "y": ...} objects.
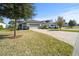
[{"x": 68, "y": 37}]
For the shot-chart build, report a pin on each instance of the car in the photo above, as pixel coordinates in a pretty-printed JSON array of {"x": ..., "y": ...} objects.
[
  {"x": 26, "y": 28},
  {"x": 53, "y": 26}
]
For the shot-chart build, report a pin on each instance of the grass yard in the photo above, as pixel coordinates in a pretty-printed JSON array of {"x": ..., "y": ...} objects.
[
  {"x": 29, "y": 43},
  {"x": 75, "y": 27},
  {"x": 66, "y": 30},
  {"x": 70, "y": 30}
]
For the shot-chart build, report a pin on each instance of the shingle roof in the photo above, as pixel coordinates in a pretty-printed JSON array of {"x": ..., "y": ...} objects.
[{"x": 33, "y": 21}]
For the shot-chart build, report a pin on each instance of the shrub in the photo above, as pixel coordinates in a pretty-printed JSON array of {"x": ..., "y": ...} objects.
[
  {"x": 1, "y": 27},
  {"x": 43, "y": 27},
  {"x": 10, "y": 27}
]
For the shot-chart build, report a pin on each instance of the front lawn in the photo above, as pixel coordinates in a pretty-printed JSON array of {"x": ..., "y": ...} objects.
[
  {"x": 66, "y": 30},
  {"x": 32, "y": 43},
  {"x": 70, "y": 30}
]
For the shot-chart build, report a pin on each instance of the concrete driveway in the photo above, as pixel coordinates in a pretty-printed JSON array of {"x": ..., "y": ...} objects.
[{"x": 68, "y": 37}]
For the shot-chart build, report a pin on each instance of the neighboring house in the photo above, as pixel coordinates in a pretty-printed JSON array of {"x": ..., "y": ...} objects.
[
  {"x": 77, "y": 24},
  {"x": 3, "y": 25},
  {"x": 65, "y": 24}
]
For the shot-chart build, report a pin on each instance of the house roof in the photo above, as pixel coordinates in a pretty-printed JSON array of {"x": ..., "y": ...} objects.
[{"x": 33, "y": 21}]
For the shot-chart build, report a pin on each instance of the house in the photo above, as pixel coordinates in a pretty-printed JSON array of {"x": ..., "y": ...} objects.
[
  {"x": 3, "y": 25},
  {"x": 33, "y": 24},
  {"x": 65, "y": 25}
]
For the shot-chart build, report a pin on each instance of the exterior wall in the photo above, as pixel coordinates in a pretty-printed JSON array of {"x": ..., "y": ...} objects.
[
  {"x": 33, "y": 25},
  {"x": 4, "y": 25}
]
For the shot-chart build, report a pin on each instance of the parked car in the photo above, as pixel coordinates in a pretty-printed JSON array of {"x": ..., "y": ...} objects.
[
  {"x": 53, "y": 26},
  {"x": 26, "y": 28}
]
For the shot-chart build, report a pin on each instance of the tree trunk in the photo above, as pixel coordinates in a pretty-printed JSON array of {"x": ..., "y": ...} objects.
[
  {"x": 15, "y": 28},
  {"x": 60, "y": 28}
]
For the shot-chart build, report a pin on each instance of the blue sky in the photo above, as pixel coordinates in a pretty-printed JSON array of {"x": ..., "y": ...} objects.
[
  {"x": 50, "y": 11},
  {"x": 53, "y": 10}
]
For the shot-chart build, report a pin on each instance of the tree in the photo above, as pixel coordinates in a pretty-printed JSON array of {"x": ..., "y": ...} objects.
[
  {"x": 60, "y": 22},
  {"x": 17, "y": 11},
  {"x": 11, "y": 25},
  {"x": 72, "y": 23}
]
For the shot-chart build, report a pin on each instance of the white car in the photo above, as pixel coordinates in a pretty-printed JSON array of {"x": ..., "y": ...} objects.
[{"x": 53, "y": 26}]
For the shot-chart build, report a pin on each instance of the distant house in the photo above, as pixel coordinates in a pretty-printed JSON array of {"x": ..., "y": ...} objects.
[
  {"x": 3, "y": 25},
  {"x": 65, "y": 24}
]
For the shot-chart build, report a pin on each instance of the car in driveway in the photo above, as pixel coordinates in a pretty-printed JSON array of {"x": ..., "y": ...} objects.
[{"x": 53, "y": 26}]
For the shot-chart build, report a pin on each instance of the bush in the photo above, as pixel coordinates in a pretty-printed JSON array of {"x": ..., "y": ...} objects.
[
  {"x": 10, "y": 27},
  {"x": 43, "y": 27},
  {"x": 1, "y": 27}
]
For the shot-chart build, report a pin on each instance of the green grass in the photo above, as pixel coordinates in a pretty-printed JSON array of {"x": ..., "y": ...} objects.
[
  {"x": 32, "y": 43},
  {"x": 66, "y": 30},
  {"x": 75, "y": 27},
  {"x": 71, "y": 30}
]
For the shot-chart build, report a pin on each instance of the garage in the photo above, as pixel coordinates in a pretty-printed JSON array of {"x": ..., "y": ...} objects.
[{"x": 34, "y": 26}]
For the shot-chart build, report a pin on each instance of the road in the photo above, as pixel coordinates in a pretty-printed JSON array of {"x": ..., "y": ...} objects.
[{"x": 68, "y": 37}]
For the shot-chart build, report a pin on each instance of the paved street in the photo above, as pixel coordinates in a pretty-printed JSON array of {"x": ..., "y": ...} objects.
[{"x": 68, "y": 37}]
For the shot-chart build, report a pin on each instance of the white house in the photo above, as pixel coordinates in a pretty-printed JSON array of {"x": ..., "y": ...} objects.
[{"x": 3, "y": 24}]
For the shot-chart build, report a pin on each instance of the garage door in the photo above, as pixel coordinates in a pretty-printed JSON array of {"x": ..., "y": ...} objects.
[{"x": 34, "y": 26}]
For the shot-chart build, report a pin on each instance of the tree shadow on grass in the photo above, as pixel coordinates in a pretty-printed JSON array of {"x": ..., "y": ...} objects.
[{"x": 9, "y": 36}]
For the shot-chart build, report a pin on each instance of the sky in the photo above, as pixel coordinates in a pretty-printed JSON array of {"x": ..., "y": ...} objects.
[
  {"x": 53, "y": 10},
  {"x": 50, "y": 11}
]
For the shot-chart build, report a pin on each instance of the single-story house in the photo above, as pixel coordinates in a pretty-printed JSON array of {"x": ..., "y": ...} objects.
[
  {"x": 33, "y": 24},
  {"x": 3, "y": 25}
]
